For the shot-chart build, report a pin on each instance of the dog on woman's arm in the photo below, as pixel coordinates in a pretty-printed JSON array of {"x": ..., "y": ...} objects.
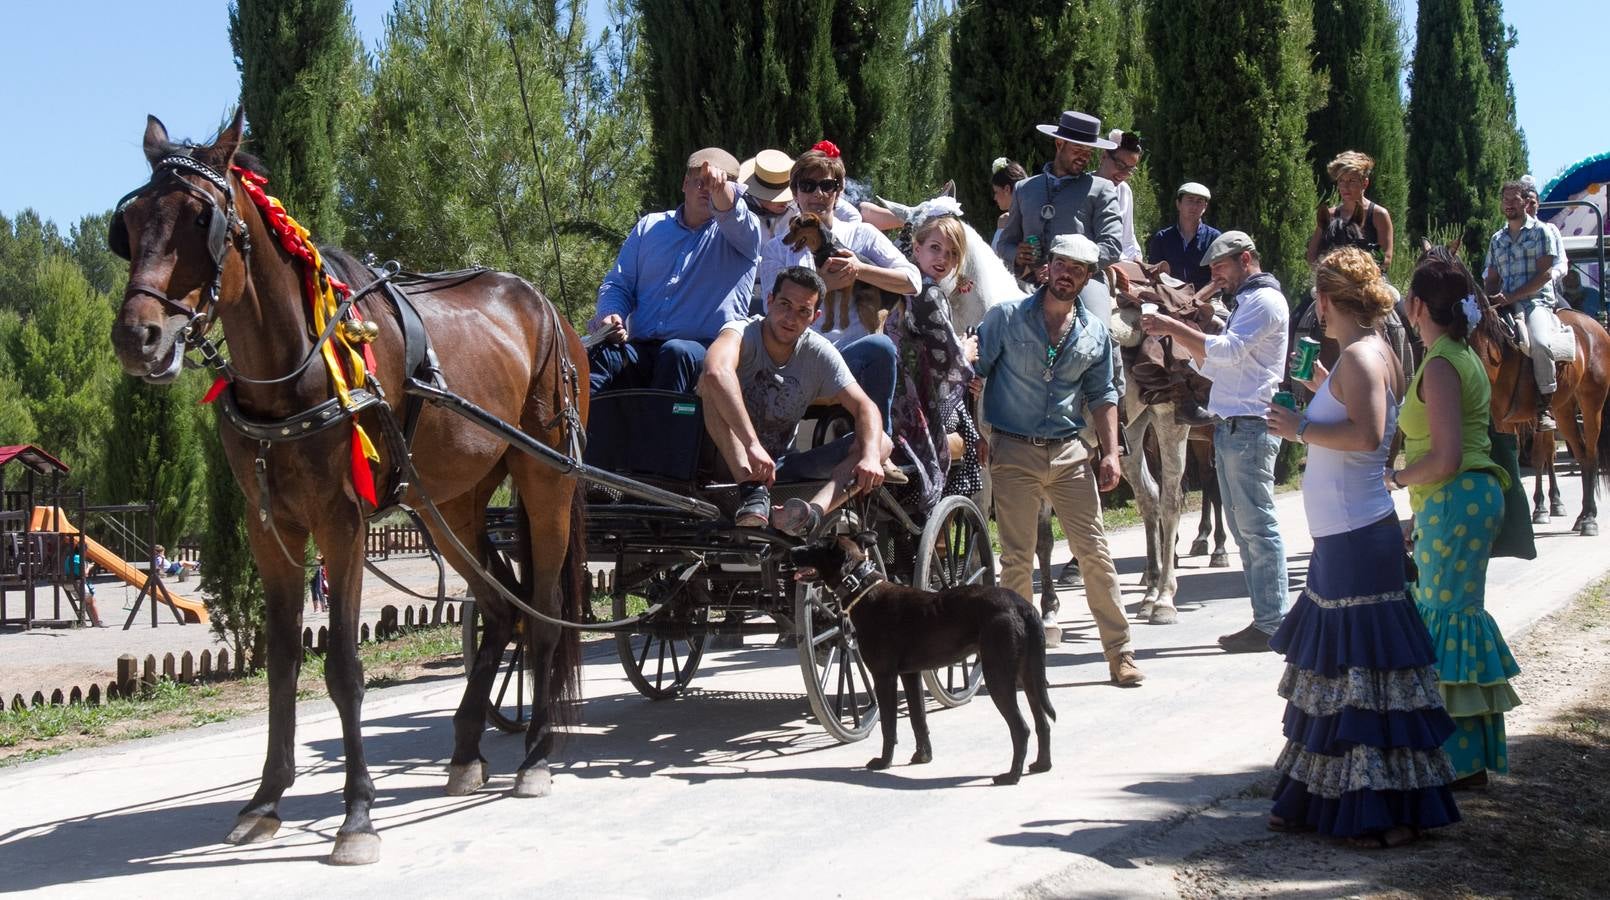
[{"x": 903, "y": 631}]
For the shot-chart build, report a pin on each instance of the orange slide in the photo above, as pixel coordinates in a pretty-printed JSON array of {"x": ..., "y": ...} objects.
[{"x": 49, "y": 518}]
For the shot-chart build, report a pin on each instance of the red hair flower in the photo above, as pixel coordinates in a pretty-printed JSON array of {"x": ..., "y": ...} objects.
[{"x": 828, "y": 149}]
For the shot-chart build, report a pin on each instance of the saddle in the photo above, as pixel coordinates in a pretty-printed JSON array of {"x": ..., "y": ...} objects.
[{"x": 1561, "y": 344}]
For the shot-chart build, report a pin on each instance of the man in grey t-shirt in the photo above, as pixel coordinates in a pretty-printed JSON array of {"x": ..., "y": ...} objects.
[{"x": 760, "y": 376}]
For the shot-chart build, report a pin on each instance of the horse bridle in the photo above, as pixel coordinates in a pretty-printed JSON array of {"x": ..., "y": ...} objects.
[{"x": 221, "y": 221}]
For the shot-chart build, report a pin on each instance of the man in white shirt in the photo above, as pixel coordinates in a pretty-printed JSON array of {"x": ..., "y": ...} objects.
[
  {"x": 1246, "y": 364},
  {"x": 817, "y": 181},
  {"x": 1116, "y": 166}
]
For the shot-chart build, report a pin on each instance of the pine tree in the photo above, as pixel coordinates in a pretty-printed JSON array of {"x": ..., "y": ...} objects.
[
  {"x": 1454, "y": 159},
  {"x": 298, "y": 67},
  {"x": 1018, "y": 63},
  {"x": 1241, "y": 128},
  {"x": 471, "y": 158},
  {"x": 1356, "y": 42}
]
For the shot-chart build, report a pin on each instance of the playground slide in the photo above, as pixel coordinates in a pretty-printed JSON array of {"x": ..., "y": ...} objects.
[{"x": 192, "y": 610}]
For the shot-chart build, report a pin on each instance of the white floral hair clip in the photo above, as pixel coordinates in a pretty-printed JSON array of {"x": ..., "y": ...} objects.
[
  {"x": 1000, "y": 163},
  {"x": 1471, "y": 309}
]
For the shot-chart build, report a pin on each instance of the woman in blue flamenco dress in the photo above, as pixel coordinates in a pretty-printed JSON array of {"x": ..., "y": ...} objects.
[{"x": 1365, "y": 722}]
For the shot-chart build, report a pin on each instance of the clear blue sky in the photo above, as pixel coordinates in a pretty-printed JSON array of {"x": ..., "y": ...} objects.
[{"x": 77, "y": 78}]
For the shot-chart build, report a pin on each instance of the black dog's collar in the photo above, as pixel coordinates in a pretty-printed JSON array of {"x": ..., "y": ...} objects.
[{"x": 858, "y": 583}]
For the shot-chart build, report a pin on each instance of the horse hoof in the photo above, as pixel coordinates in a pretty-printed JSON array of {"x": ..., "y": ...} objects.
[
  {"x": 1146, "y": 609},
  {"x": 1219, "y": 560},
  {"x": 1557, "y": 509},
  {"x": 1199, "y": 548},
  {"x": 1590, "y": 529},
  {"x": 1540, "y": 517},
  {"x": 1007, "y": 778},
  {"x": 1053, "y": 634},
  {"x": 466, "y": 778},
  {"x": 1164, "y": 615},
  {"x": 536, "y": 781},
  {"x": 251, "y": 829},
  {"x": 1040, "y": 765},
  {"x": 356, "y": 848}
]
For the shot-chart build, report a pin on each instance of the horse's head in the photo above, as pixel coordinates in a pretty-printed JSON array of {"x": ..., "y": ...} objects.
[{"x": 176, "y": 231}]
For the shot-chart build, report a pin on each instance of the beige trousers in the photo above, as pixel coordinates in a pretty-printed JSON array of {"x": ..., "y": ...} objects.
[{"x": 1023, "y": 475}]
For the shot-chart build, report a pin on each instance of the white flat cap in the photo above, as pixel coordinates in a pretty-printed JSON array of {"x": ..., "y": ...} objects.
[
  {"x": 1076, "y": 247},
  {"x": 1194, "y": 189}
]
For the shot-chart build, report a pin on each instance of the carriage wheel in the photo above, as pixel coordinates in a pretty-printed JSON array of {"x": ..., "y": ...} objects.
[
  {"x": 954, "y": 551},
  {"x": 511, "y": 706},
  {"x": 661, "y": 661},
  {"x": 837, "y": 683}
]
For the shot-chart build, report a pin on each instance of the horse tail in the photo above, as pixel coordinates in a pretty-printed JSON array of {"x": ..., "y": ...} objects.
[
  {"x": 1601, "y": 450},
  {"x": 575, "y": 592}
]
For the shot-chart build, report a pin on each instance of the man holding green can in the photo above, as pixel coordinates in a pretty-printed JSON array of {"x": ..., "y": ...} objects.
[{"x": 1246, "y": 364}]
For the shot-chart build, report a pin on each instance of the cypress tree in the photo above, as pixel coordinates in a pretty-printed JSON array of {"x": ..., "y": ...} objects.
[
  {"x": 154, "y": 453},
  {"x": 1452, "y": 161},
  {"x": 1018, "y": 63},
  {"x": 1356, "y": 43},
  {"x": 1508, "y": 157},
  {"x": 298, "y": 67},
  {"x": 871, "y": 58},
  {"x": 1241, "y": 127},
  {"x": 230, "y": 583}
]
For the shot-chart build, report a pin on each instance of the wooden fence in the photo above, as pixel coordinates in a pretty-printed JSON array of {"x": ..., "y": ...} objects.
[{"x": 136, "y": 677}]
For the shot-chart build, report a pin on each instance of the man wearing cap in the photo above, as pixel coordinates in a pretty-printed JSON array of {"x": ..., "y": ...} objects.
[
  {"x": 1246, "y": 364},
  {"x": 1183, "y": 244},
  {"x": 1042, "y": 358},
  {"x": 1065, "y": 199},
  {"x": 679, "y": 277},
  {"x": 1116, "y": 166}
]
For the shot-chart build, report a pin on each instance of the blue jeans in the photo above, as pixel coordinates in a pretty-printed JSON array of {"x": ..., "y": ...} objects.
[
  {"x": 872, "y": 361},
  {"x": 661, "y": 365},
  {"x": 1245, "y": 453},
  {"x": 815, "y": 464}
]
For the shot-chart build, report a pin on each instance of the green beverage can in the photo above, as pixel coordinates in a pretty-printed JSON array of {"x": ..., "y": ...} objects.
[
  {"x": 1307, "y": 354},
  {"x": 1286, "y": 399},
  {"x": 1033, "y": 240}
]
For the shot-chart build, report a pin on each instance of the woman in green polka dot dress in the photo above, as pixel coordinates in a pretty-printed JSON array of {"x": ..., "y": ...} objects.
[{"x": 1456, "y": 491}]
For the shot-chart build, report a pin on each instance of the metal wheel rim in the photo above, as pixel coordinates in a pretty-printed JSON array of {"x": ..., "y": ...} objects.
[
  {"x": 955, "y": 549},
  {"x": 837, "y": 684},
  {"x": 642, "y": 651}
]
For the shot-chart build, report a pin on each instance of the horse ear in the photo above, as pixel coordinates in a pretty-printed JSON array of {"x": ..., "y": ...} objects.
[
  {"x": 1455, "y": 244},
  {"x": 228, "y": 142},
  {"x": 949, "y": 190},
  {"x": 156, "y": 139},
  {"x": 1425, "y": 246}
]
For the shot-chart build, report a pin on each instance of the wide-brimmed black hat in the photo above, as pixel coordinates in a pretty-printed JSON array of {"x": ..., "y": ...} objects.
[{"x": 1078, "y": 128}]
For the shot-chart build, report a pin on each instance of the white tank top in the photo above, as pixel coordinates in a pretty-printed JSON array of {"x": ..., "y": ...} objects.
[{"x": 1342, "y": 490}]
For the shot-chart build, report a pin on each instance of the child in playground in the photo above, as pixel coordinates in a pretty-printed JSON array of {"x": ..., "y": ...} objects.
[
  {"x": 319, "y": 587},
  {"x": 162, "y": 565}
]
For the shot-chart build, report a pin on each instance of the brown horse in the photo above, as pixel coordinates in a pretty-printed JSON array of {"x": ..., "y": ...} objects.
[
  {"x": 200, "y": 251},
  {"x": 1584, "y": 386}
]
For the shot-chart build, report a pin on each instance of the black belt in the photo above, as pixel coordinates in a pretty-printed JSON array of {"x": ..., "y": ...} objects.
[
  {"x": 1232, "y": 420},
  {"x": 1036, "y": 441}
]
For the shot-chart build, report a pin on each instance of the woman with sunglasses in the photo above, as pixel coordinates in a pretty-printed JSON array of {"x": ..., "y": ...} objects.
[
  {"x": 1116, "y": 166},
  {"x": 1356, "y": 221}
]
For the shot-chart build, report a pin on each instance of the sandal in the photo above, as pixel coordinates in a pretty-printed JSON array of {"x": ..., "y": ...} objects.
[{"x": 1386, "y": 840}]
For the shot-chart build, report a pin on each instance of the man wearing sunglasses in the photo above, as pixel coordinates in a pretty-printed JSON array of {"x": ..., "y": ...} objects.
[
  {"x": 1116, "y": 166},
  {"x": 679, "y": 277},
  {"x": 818, "y": 182}
]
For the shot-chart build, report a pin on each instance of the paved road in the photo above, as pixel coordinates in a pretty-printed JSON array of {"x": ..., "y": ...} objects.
[{"x": 730, "y": 792}]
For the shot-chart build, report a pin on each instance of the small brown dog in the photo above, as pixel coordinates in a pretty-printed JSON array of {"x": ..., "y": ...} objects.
[{"x": 871, "y": 304}]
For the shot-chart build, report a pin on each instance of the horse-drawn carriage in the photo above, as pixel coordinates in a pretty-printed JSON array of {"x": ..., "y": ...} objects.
[{"x": 684, "y": 576}]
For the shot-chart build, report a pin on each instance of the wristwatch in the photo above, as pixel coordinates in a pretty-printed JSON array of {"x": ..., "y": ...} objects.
[{"x": 1392, "y": 479}]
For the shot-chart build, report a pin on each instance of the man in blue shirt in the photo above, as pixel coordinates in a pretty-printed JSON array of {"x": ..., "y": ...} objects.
[
  {"x": 1182, "y": 244},
  {"x": 679, "y": 277},
  {"x": 1161, "y": 374},
  {"x": 1520, "y": 271},
  {"x": 1044, "y": 357}
]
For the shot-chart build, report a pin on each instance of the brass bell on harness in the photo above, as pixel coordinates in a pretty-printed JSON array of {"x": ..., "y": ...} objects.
[{"x": 360, "y": 332}]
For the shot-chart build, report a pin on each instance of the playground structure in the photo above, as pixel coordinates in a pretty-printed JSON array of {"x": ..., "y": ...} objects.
[{"x": 46, "y": 561}]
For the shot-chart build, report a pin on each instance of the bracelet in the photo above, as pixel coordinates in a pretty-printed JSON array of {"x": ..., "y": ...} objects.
[
  {"x": 1392, "y": 478},
  {"x": 1302, "y": 427}
]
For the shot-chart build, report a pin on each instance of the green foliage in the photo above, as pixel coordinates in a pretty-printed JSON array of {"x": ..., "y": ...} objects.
[
  {"x": 1356, "y": 42},
  {"x": 1462, "y": 143},
  {"x": 454, "y": 172},
  {"x": 1239, "y": 125},
  {"x": 298, "y": 78},
  {"x": 153, "y": 452},
  {"x": 230, "y": 583},
  {"x": 1018, "y": 63},
  {"x": 919, "y": 122},
  {"x": 1508, "y": 153}
]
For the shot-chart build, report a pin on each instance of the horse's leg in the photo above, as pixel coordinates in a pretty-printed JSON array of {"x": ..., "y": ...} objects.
[
  {"x": 1542, "y": 463},
  {"x": 1042, "y": 552},
  {"x": 1211, "y": 496},
  {"x": 554, "y": 653},
  {"x": 342, "y": 541},
  {"x": 1171, "y": 439},
  {"x": 1145, "y": 489},
  {"x": 1585, "y": 452},
  {"x": 1204, "y": 526},
  {"x": 282, "y": 586}
]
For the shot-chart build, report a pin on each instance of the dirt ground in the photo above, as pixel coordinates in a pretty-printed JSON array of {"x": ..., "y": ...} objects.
[{"x": 1541, "y": 831}]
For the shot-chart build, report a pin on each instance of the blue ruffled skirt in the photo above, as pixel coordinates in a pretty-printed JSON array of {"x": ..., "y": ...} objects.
[{"x": 1365, "y": 722}]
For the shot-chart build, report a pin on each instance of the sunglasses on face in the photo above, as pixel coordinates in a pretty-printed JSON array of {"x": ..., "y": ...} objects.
[{"x": 811, "y": 185}]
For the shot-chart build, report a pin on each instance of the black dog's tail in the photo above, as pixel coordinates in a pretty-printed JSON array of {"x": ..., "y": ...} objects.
[{"x": 1036, "y": 680}]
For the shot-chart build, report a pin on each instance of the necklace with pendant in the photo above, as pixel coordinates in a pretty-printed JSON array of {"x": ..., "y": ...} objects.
[{"x": 1054, "y": 349}]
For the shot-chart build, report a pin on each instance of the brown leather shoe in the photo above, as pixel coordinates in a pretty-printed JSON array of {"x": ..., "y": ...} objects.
[{"x": 1124, "y": 671}]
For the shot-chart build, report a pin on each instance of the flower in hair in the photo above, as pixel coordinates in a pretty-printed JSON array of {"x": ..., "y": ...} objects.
[
  {"x": 827, "y": 148},
  {"x": 1000, "y": 163},
  {"x": 1471, "y": 309}
]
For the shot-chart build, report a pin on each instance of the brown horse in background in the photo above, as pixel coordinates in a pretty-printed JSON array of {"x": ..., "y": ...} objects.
[
  {"x": 1584, "y": 386},
  {"x": 500, "y": 344}
]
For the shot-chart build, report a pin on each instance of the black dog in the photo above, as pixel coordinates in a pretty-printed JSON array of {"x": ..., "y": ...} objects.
[{"x": 903, "y": 631}]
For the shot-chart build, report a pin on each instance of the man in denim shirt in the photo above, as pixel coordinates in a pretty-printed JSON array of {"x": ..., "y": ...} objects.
[
  {"x": 1246, "y": 364},
  {"x": 1045, "y": 357}
]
